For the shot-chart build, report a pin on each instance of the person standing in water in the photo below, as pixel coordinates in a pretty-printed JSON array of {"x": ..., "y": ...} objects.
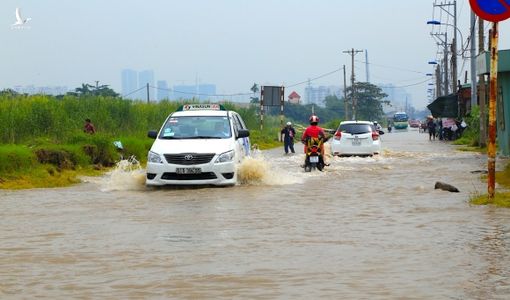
[{"x": 288, "y": 133}]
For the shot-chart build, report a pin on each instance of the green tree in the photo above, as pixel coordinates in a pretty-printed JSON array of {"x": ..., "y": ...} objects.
[
  {"x": 91, "y": 90},
  {"x": 8, "y": 92},
  {"x": 254, "y": 89},
  {"x": 369, "y": 101},
  {"x": 336, "y": 105}
]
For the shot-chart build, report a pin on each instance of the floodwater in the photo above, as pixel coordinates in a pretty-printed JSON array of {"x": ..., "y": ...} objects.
[{"x": 366, "y": 228}]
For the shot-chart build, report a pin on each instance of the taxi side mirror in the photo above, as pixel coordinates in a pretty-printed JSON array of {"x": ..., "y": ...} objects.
[
  {"x": 152, "y": 134},
  {"x": 242, "y": 133}
]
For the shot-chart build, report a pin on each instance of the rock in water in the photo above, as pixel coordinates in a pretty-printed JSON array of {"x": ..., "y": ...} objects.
[{"x": 445, "y": 187}]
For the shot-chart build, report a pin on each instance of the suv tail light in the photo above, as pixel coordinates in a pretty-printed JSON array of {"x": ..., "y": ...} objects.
[
  {"x": 338, "y": 135},
  {"x": 375, "y": 136}
]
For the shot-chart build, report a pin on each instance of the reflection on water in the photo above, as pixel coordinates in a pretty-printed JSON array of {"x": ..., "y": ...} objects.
[{"x": 365, "y": 228}]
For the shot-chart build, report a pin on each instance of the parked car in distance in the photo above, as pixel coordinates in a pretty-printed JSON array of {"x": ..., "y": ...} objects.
[{"x": 355, "y": 138}]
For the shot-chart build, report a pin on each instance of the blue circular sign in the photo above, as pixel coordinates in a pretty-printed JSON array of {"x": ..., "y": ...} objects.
[{"x": 491, "y": 10}]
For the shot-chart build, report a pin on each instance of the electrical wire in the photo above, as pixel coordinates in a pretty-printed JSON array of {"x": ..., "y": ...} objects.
[{"x": 130, "y": 93}]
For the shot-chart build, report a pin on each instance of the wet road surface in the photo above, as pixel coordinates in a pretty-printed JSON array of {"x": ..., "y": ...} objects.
[{"x": 366, "y": 228}]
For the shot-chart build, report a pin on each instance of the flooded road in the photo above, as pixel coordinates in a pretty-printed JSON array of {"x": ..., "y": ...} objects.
[{"x": 366, "y": 228}]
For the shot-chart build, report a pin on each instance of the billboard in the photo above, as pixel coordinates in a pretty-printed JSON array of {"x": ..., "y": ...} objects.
[{"x": 272, "y": 95}]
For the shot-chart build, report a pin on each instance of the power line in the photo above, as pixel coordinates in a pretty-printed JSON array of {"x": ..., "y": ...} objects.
[
  {"x": 318, "y": 77},
  {"x": 404, "y": 86},
  {"x": 390, "y": 67},
  {"x": 125, "y": 95}
]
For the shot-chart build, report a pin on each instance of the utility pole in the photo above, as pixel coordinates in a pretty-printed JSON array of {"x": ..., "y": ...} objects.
[
  {"x": 444, "y": 43},
  {"x": 353, "y": 52},
  {"x": 148, "y": 99},
  {"x": 346, "y": 114},
  {"x": 493, "y": 93},
  {"x": 454, "y": 48},
  {"x": 473, "y": 61},
  {"x": 481, "y": 90},
  {"x": 445, "y": 65},
  {"x": 438, "y": 81},
  {"x": 454, "y": 42},
  {"x": 367, "y": 70}
]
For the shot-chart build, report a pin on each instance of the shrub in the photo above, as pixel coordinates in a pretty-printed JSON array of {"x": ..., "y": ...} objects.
[{"x": 15, "y": 157}]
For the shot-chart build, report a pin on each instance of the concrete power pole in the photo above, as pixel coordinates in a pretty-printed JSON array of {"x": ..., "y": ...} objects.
[
  {"x": 445, "y": 65},
  {"x": 148, "y": 96},
  {"x": 481, "y": 89},
  {"x": 353, "y": 52},
  {"x": 438, "y": 81},
  {"x": 346, "y": 113},
  {"x": 473, "y": 60},
  {"x": 454, "y": 45},
  {"x": 454, "y": 48},
  {"x": 367, "y": 69}
]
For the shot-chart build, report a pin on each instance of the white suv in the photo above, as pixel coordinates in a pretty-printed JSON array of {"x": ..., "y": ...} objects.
[{"x": 198, "y": 144}]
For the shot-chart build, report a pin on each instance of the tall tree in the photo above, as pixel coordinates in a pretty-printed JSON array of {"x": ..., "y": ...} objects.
[
  {"x": 369, "y": 101},
  {"x": 91, "y": 90},
  {"x": 254, "y": 89},
  {"x": 336, "y": 105}
]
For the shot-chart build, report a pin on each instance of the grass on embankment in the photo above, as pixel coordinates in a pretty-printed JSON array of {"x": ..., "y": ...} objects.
[
  {"x": 45, "y": 163},
  {"x": 500, "y": 198}
]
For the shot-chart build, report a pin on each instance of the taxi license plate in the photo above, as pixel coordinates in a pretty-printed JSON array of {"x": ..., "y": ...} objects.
[
  {"x": 356, "y": 142},
  {"x": 314, "y": 159},
  {"x": 188, "y": 170}
]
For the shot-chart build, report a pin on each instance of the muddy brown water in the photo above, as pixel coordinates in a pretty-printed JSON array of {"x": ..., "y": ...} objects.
[{"x": 366, "y": 228}]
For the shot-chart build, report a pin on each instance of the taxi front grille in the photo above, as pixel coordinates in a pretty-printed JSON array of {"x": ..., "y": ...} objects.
[
  {"x": 200, "y": 176},
  {"x": 189, "y": 158}
]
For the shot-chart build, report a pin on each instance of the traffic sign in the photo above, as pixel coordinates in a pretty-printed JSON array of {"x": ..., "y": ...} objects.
[{"x": 491, "y": 10}]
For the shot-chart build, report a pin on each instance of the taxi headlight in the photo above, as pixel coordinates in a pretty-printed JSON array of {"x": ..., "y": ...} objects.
[
  {"x": 153, "y": 157},
  {"x": 225, "y": 157}
]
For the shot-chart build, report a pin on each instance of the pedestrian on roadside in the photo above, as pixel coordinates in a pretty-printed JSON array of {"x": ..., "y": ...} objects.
[
  {"x": 288, "y": 133},
  {"x": 431, "y": 127},
  {"x": 89, "y": 127}
]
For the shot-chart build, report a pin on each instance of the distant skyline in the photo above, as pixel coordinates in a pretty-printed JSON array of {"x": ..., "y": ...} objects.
[{"x": 231, "y": 43}]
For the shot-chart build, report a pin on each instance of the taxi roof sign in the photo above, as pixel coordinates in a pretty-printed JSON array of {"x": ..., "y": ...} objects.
[{"x": 205, "y": 106}]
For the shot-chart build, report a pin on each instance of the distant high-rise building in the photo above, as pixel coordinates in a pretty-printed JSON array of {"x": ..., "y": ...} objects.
[
  {"x": 317, "y": 95},
  {"x": 146, "y": 77},
  {"x": 163, "y": 91},
  {"x": 129, "y": 83},
  {"x": 206, "y": 91},
  {"x": 200, "y": 92},
  {"x": 398, "y": 97}
]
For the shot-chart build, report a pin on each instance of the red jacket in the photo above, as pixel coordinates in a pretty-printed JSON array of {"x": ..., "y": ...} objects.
[{"x": 312, "y": 131}]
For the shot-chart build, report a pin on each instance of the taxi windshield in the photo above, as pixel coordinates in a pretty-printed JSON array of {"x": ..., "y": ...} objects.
[{"x": 196, "y": 127}]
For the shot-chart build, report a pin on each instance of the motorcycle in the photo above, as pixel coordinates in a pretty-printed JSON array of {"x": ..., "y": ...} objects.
[{"x": 314, "y": 159}]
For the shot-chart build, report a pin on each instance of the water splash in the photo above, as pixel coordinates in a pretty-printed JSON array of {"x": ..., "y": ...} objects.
[
  {"x": 127, "y": 175},
  {"x": 258, "y": 170}
]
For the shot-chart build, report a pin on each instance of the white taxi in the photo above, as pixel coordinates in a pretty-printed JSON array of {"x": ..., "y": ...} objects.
[{"x": 199, "y": 144}]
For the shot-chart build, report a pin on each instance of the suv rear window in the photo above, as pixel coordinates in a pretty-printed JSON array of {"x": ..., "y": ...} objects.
[{"x": 355, "y": 128}]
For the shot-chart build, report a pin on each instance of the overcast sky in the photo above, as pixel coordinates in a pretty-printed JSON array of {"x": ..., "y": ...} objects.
[{"x": 230, "y": 43}]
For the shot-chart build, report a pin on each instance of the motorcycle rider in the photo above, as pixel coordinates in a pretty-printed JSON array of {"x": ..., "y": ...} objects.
[{"x": 314, "y": 131}]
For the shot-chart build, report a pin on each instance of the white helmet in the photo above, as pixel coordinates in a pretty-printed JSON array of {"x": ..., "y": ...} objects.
[{"x": 289, "y": 123}]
